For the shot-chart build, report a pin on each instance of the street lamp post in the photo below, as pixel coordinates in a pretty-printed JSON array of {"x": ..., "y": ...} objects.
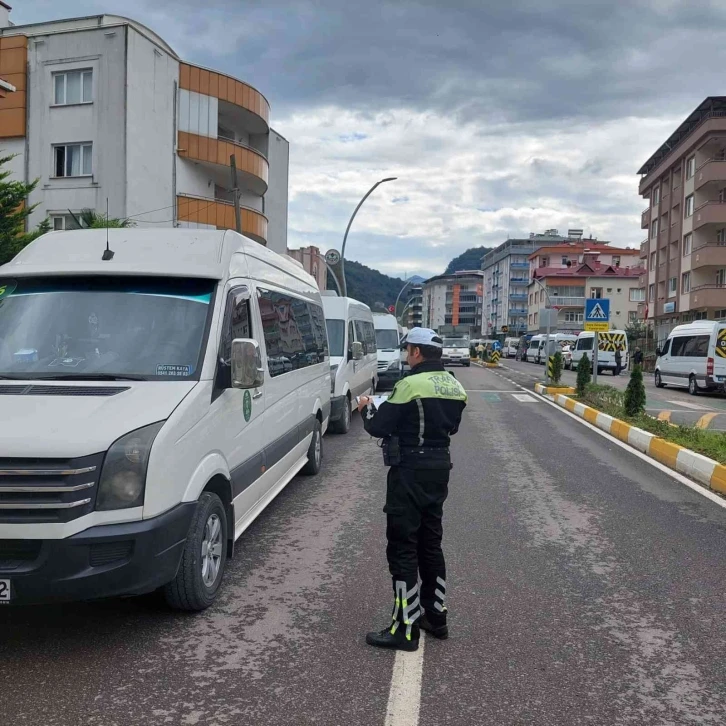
[
  {"x": 400, "y": 292},
  {"x": 347, "y": 229}
]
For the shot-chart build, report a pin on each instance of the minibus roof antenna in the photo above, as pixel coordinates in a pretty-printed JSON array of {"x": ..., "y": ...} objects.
[{"x": 108, "y": 253}]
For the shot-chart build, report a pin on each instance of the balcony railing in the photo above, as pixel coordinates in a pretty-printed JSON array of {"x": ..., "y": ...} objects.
[
  {"x": 517, "y": 311},
  {"x": 573, "y": 302},
  {"x": 517, "y": 296},
  {"x": 714, "y": 286},
  {"x": 644, "y": 249},
  {"x": 520, "y": 265},
  {"x": 519, "y": 280}
]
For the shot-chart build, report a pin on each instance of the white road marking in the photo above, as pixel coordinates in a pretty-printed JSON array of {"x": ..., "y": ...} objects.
[
  {"x": 525, "y": 397},
  {"x": 404, "y": 698},
  {"x": 694, "y": 406}
]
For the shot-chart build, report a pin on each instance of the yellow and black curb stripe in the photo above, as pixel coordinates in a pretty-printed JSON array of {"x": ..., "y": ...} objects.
[
  {"x": 696, "y": 466},
  {"x": 486, "y": 365},
  {"x": 552, "y": 390}
]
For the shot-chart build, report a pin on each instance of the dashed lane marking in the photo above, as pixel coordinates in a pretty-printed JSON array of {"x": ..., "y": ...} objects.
[
  {"x": 524, "y": 398},
  {"x": 665, "y": 415},
  {"x": 694, "y": 406},
  {"x": 705, "y": 421}
]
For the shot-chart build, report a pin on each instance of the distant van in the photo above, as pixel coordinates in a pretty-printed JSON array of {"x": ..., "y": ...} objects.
[
  {"x": 388, "y": 344},
  {"x": 534, "y": 348},
  {"x": 509, "y": 349},
  {"x": 693, "y": 357},
  {"x": 155, "y": 401},
  {"x": 353, "y": 356},
  {"x": 608, "y": 343}
]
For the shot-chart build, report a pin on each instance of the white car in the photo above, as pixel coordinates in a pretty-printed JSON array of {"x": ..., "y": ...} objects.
[{"x": 156, "y": 401}]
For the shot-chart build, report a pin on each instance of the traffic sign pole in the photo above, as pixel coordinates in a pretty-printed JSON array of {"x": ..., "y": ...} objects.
[{"x": 595, "y": 347}]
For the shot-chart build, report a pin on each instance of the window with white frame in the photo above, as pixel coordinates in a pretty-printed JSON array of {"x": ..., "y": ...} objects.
[
  {"x": 656, "y": 196},
  {"x": 72, "y": 87},
  {"x": 721, "y": 236},
  {"x": 687, "y": 244},
  {"x": 72, "y": 160},
  {"x": 651, "y": 292},
  {"x": 652, "y": 260},
  {"x": 574, "y": 317},
  {"x": 686, "y": 282},
  {"x": 721, "y": 277},
  {"x": 719, "y": 314},
  {"x": 637, "y": 294},
  {"x": 689, "y": 205},
  {"x": 672, "y": 286},
  {"x": 690, "y": 167},
  {"x": 596, "y": 293},
  {"x": 616, "y": 260},
  {"x": 62, "y": 222},
  {"x": 654, "y": 229}
]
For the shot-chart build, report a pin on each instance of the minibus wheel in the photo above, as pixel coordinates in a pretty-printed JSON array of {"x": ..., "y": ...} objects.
[{"x": 315, "y": 452}]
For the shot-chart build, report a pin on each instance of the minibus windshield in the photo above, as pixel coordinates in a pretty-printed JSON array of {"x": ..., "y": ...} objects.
[
  {"x": 336, "y": 336},
  {"x": 387, "y": 339},
  {"x": 103, "y": 328}
]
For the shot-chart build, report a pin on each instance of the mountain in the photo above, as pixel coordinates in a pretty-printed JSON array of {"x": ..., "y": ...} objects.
[
  {"x": 371, "y": 287},
  {"x": 469, "y": 260}
]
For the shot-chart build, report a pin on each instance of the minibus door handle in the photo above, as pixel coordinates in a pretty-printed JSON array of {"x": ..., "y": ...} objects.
[{"x": 257, "y": 393}]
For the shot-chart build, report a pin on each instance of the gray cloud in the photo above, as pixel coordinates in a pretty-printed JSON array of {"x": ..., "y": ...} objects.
[{"x": 498, "y": 118}]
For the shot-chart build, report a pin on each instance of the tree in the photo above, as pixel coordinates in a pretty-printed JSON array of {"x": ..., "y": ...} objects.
[
  {"x": 583, "y": 374},
  {"x": 557, "y": 365},
  {"x": 91, "y": 219},
  {"x": 13, "y": 214},
  {"x": 469, "y": 260},
  {"x": 634, "y": 401}
]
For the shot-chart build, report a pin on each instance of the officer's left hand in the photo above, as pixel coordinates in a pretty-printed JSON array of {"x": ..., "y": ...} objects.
[{"x": 363, "y": 401}]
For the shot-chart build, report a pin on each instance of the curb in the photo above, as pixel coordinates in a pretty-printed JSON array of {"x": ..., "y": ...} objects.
[
  {"x": 486, "y": 365},
  {"x": 550, "y": 391},
  {"x": 704, "y": 470}
]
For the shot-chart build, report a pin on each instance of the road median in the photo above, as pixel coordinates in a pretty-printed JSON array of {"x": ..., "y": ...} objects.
[{"x": 702, "y": 469}]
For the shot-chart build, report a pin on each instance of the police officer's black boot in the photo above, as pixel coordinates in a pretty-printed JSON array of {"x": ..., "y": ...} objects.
[
  {"x": 435, "y": 624},
  {"x": 404, "y": 632}
]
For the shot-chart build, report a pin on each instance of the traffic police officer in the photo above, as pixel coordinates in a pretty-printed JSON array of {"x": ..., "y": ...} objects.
[{"x": 415, "y": 424}]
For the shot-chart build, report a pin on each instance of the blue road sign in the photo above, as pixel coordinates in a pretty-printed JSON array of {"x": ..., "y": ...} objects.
[{"x": 597, "y": 314}]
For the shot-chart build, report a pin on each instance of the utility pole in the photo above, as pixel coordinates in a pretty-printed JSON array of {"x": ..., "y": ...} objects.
[{"x": 235, "y": 189}]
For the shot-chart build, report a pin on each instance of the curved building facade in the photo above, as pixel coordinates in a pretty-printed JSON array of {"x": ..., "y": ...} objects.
[{"x": 106, "y": 110}]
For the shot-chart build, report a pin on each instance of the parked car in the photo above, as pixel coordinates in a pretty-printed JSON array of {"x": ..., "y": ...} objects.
[
  {"x": 693, "y": 357},
  {"x": 353, "y": 356},
  {"x": 156, "y": 403}
]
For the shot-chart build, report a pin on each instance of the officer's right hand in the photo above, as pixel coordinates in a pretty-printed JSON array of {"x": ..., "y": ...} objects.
[{"x": 363, "y": 401}]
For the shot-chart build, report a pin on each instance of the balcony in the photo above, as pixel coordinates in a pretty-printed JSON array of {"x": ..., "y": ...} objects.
[
  {"x": 569, "y": 325},
  {"x": 645, "y": 218},
  {"x": 713, "y": 170},
  {"x": 567, "y": 302},
  {"x": 708, "y": 296},
  {"x": 644, "y": 249},
  {"x": 518, "y": 296},
  {"x": 220, "y": 214},
  {"x": 675, "y": 235},
  {"x": 518, "y": 312},
  {"x": 709, "y": 255},
  {"x": 252, "y": 167},
  {"x": 520, "y": 265},
  {"x": 712, "y": 212},
  {"x": 519, "y": 280}
]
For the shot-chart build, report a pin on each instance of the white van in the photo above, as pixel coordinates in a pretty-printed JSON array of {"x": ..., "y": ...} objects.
[
  {"x": 693, "y": 357},
  {"x": 608, "y": 343},
  {"x": 156, "y": 397},
  {"x": 353, "y": 358},
  {"x": 535, "y": 348},
  {"x": 456, "y": 350},
  {"x": 509, "y": 349},
  {"x": 388, "y": 344}
]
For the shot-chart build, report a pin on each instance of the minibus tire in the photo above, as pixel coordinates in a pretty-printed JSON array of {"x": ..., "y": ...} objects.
[
  {"x": 658, "y": 380},
  {"x": 342, "y": 425},
  {"x": 315, "y": 452},
  {"x": 187, "y": 591},
  {"x": 692, "y": 385}
]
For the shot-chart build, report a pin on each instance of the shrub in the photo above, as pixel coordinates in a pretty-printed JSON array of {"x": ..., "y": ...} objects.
[
  {"x": 558, "y": 365},
  {"x": 583, "y": 375},
  {"x": 634, "y": 401}
]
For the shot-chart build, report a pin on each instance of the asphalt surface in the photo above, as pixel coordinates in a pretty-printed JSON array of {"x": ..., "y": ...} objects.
[
  {"x": 586, "y": 587},
  {"x": 674, "y": 404}
]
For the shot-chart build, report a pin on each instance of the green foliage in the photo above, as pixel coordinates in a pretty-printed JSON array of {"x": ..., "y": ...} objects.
[
  {"x": 13, "y": 214},
  {"x": 91, "y": 219},
  {"x": 557, "y": 365},
  {"x": 469, "y": 260},
  {"x": 634, "y": 400},
  {"x": 371, "y": 287},
  {"x": 583, "y": 374}
]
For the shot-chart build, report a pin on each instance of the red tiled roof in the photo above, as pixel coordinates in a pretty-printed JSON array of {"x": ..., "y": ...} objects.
[
  {"x": 580, "y": 247},
  {"x": 589, "y": 269}
]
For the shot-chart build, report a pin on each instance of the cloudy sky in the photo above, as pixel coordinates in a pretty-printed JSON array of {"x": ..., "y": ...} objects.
[{"x": 497, "y": 118}]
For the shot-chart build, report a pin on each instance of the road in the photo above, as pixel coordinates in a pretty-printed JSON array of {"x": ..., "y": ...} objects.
[
  {"x": 586, "y": 587},
  {"x": 674, "y": 404}
]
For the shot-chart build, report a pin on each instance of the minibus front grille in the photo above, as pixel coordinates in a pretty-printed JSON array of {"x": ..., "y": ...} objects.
[{"x": 35, "y": 491}]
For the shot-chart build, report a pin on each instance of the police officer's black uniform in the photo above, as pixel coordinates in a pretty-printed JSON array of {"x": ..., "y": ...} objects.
[{"x": 415, "y": 424}]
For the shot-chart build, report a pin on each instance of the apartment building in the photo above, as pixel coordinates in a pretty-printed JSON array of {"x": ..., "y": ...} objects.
[
  {"x": 564, "y": 275},
  {"x": 684, "y": 186},
  {"x": 314, "y": 263},
  {"x": 414, "y": 315},
  {"x": 454, "y": 300},
  {"x": 506, "y": 277},
  {"x": 106, "y": 111}
]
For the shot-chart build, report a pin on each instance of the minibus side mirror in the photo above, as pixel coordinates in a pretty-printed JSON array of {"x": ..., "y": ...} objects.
[
  {"x": 357, "y": 351},
  {"x": 659, "y": 352},
  {"x": 247, "y": 371}
]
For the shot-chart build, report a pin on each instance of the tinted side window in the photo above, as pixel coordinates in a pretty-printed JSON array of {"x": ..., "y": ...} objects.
[
  {"x": 366, "y": 334},
  {"x": 371, "y": 337},
  {"x": 236, "y": 324},
  {"x": 585, "y": 343},
  {"x": 666, "y": 348},
  {"x": 351, "y": 338},
  {"x": 697, "y": 346},
  {"x": 678, "y": 345},
  {"x": 360, "y": 334}
]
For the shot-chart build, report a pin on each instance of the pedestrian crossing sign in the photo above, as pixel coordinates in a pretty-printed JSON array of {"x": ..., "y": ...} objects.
[{"x": 597, "y": 314}]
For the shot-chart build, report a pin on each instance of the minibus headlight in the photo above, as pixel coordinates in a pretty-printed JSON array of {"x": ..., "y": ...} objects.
[
  {"x": 333, "y": 371},
  {"x": 123, "y": 477},
  {"x": 394, "y": 365}
]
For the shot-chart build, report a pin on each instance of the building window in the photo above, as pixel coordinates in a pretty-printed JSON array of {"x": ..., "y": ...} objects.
[
  {"x": 652, "y": 260},
  {"x": 544, "y": 261},
  {"x": 721, "y": 236},
  {"x": 690, "y": 167},
  {"x": 719, "y": 314},
  {"x": 61, "y": 222},
  {"x": 654, "y": 229},
  {"x": 687, "y": 243},
  {"x": 535, "y": 318},
  {"x": 72, "y": 160},
  {"x": 574, "y": 317},
  {"x": 721, "y": 277},
  {"x": 596, "y": 292},
  {"x": 689, "y": 205},
  {"x": 637, "y": 294},
  {"x": 672, "y": 286},
  {"x": 632, "y": 316},
  {"x": 686, "y": 282},
  {"x": 73, "y": 87},
  {"x": 651, "y": 292},
  {"x": 616, "y": 260},
  {"x": 656, "y": 196}
]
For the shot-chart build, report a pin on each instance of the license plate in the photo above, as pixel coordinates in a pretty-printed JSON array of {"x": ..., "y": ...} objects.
[{"x": 4, "y": 592}]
